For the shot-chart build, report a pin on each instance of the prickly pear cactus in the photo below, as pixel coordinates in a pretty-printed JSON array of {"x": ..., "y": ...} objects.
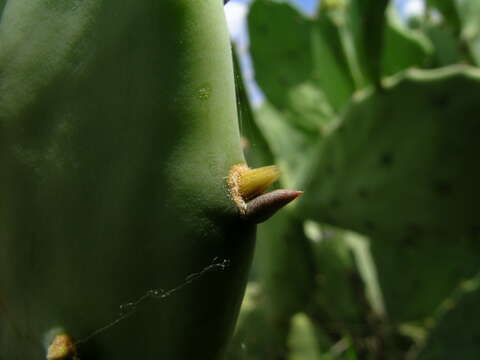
[
  {"x": 422, "y": 109},
  {"x": 120, "y": 238},
  {"x": 384, "y": 152},
  {"x": 402, "y": 189}
]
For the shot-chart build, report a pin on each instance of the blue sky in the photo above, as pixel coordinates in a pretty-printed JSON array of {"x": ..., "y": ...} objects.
[
  {"x": 237, "y": 10},
  {"x": 306, "y": 5},
  {"x": 405, "y": 6}
]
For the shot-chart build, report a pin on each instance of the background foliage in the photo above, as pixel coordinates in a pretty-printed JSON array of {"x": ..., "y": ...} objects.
[{"x": 377, "y": 120}]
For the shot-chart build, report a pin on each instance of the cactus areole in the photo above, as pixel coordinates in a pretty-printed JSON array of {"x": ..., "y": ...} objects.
[{"x": 119, "y": 236}]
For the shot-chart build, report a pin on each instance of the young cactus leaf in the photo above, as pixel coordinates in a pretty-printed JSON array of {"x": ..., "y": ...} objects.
[{"x": 254, "y": 182}]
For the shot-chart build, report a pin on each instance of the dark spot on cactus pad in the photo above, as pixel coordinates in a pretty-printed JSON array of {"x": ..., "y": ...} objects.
[
  {"x": 328, "y": 218},
  {"x": 335, "y": 203},
  {"x": 369, "y": 225},
  {"x": 292, "y": 54},
  {"x": 283, "y": 81},
  {"x": 414, "y": 230},
  {"x": 386, "y": 159},
  {"x": 409, "y": 241},
  {"x": 475, "y": 232},
  {"x": 441, "y": 101},
  {"x": 330, "y": 169},
  {"x": 442, "y": 188},
  {"x": 262, "y": 29},
  {"x": 299, "y": 19},
  {"x": 320, "y": 279},
  {"x": 363, "y": 193}
]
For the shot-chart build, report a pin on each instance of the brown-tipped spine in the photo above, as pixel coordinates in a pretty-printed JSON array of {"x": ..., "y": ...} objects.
[
  {"x": 247, "y": 186},
  {"x": 264, "y": 206}
]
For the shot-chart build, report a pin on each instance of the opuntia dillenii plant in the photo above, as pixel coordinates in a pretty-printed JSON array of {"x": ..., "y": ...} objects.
[
  {"x": 128, "y": 212},
  {"x": 363, "y": 113}
]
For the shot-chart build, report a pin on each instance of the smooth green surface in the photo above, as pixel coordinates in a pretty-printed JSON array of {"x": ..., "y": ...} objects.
[
  {"x": 365, "y": 23},
  {"x": 286, "y": 269},
  {"x": 299, "y": 64},
  {"x": 446, "y": 48},
  {"x": 409, "y": 269},
  {"x": 457, "y": 330},
  {"x": 403, "y": 47},
  {"x": 449, "y": 11},
  {"x": 288, "y": 64},
  {"x": 330, "y": 63},
  {"x": 303, "y": 342},
  {"x": 339, "y": 295},
  {"x": 255, "y": 336},
  {"x": 118, "y": 127}
]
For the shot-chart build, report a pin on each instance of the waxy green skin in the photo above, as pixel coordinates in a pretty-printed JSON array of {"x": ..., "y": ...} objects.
[{"x": 118, "y": 128}]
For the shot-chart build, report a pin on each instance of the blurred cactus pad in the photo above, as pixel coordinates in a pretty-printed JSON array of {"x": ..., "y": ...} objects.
[{"x": 376, "y": 117}]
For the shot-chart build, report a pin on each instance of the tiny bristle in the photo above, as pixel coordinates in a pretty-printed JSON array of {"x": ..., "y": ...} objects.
[
  {"x": 254, "y": 182},
  {"x": 61, "y": 348}
]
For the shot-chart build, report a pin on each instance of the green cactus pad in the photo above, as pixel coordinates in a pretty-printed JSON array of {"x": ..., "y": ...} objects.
[
  {"x": 286, "y": 267},
  {"x": 255, "y": 337},
  {"x": 281, "y": 47},
  {"x": 403, "y": 47},
  {"x": 419, "y": 273},
  {"x": 338, "y": 284},
  {"x": 303, "y": 340},
  {"x": 255, "y": 146},
  {"x": 364, "y": 26},
  {"x": 118, "y": 125},
  {"x": 401, "y": 162},
  {"x": 400, "y": 168},
  {"x": 330, "y": 65},
  {"x": 446, "y": 48},
  {"x": 300, "y": 63},
  {"x": 449, "y": 11},
  {"x": 456, "y": 329},
  {"x": 288, "y": 146},
  {"x": 469, "y": 13}
]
